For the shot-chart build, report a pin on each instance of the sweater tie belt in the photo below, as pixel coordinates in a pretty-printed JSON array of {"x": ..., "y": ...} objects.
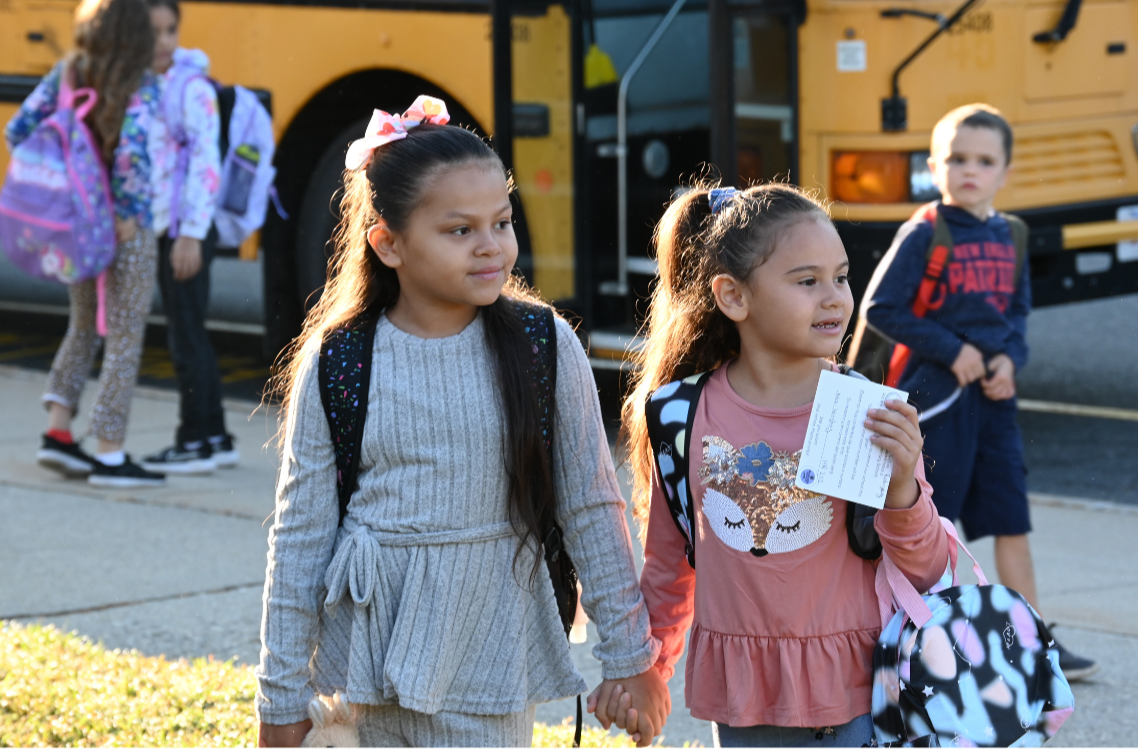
[{"x": 355, "y": 565}]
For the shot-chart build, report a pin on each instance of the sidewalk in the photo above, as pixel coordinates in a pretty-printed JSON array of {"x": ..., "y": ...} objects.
[{"x": 178, "y": 570}]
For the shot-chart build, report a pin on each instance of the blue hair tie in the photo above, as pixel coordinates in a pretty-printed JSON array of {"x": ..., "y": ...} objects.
[{"x": 720, "y": 197}]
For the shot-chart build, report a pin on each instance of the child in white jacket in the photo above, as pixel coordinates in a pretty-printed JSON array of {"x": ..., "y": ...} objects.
[{"x": 186, "y": 177}]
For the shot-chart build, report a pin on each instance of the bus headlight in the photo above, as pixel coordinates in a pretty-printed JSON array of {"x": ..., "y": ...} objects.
[{"x": 881, "y": 177}]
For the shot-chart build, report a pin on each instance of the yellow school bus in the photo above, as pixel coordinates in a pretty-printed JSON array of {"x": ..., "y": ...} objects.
[{"x": 607, "y": 107}]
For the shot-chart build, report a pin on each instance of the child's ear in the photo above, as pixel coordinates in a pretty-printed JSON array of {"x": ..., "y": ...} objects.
[
  {"x": 382, "y": 242},
  {"x": 1003, "y": 181},
  {"x": 731, "y": 296}
]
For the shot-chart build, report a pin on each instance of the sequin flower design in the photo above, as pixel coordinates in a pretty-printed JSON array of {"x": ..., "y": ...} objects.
[
  {"x": 751, "y": 502},
  {"x": 755, "y": 461},
  {"x": 385, "y": 128}
]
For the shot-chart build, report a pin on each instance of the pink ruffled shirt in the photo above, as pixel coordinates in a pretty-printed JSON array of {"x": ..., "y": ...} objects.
[{"x": 783, "y": 638}]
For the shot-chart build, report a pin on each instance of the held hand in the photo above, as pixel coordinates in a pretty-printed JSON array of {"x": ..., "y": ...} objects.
[
  {"x": 897, "y": 430},
  {"x": 125, "y": 230},
  {"x": 640, "y": 704},
  {"x": 1000, "y": 385},
  {"x": 289, "y": 735},
  {"x": 969, "y": 365},
  {"x": 186, "y": 258}
]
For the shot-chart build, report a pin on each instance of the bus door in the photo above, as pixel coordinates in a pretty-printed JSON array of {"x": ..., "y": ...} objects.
[{"x": 754, "y": 67}]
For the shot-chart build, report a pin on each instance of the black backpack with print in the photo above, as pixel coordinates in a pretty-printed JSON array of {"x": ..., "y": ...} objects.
[
  {"x": 670, "y": 413},
  {"x": 345, "y": 376}
]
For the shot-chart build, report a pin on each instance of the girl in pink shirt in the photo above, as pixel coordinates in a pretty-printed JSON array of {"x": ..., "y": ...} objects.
[{"x": 783, "y": 614}]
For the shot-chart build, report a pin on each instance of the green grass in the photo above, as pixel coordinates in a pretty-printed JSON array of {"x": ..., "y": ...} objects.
[{"x": 58, "y": 689}]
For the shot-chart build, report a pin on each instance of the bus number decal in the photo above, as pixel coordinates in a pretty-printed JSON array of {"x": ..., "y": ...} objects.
[{"x": 978, "y": 22}]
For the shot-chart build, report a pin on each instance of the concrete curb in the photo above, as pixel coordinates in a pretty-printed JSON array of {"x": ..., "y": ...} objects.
[{"x": 1079, "y": 503}]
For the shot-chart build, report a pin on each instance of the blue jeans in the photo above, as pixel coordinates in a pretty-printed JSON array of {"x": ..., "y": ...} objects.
[{"x": 858, "y": 732}]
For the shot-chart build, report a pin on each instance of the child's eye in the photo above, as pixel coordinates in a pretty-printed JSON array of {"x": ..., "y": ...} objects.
[
  {"x": 505, "y": 223},
  {"x": 986, "y": 161},
  {"x": 461, "y": 231},
  {"x": 843, "y": 278},
  {"x": 807, "y": 282}
]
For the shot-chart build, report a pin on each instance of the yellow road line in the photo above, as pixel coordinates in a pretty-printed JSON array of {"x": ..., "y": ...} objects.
[
  {"x": 1076, "y": 409},
  {"x": 33, "y": 351}
]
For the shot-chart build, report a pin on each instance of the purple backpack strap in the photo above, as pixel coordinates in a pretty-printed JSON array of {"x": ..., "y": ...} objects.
[{"x": 173, "y": 110}]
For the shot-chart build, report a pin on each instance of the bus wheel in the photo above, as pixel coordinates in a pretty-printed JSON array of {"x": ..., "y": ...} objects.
[{"x": 319, "y": 214}]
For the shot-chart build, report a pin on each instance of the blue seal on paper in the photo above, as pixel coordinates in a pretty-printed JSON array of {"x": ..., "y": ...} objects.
[{"x": 807, "y": 476}]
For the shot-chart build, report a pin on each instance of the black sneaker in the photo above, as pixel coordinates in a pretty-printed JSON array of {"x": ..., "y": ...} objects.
[
  {"x": 225, "y": 455},
  {"x": 128, "y": 475},
  {"x": 181, "y": 459},
  {"x": 69, "y": 460},
  {"x": 1075, "y": 667}
]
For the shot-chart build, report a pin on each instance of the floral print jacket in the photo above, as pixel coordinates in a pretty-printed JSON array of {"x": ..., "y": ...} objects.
[
  {"x": 130, "y": 172},
  {"x": 201, "y": 124}
]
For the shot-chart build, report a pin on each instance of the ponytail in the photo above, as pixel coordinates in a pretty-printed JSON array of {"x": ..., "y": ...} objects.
[{"x": 685, "y": 332}]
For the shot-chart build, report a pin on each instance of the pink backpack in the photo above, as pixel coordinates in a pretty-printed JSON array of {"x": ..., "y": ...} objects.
[{"x": 56, "y": 217}]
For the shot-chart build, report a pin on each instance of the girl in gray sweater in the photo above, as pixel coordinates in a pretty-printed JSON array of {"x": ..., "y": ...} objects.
[{"x": 427, "y": 607}]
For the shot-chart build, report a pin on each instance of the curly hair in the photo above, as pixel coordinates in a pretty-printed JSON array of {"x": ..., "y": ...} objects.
[
  {"x": 115, "y": 46},
  {"x": 686, "y": 333}
]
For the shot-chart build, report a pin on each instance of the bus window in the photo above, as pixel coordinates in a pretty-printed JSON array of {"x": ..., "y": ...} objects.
[{"x": 763, "y": 112}]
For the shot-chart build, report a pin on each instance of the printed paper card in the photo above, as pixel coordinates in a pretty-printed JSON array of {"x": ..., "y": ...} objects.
[{"x": 838, "y": 459}]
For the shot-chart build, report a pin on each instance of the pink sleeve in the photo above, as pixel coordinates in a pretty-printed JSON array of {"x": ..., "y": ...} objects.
[
  {"x": 914, "y": 538},
  {"x": 667, "y": 583}
]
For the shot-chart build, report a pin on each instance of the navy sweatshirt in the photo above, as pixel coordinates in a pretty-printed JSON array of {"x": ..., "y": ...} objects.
[{"x": 977, "y": 300}]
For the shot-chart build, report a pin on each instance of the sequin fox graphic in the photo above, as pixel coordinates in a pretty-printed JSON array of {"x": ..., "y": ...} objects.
[{"x": 751, "y": 502}]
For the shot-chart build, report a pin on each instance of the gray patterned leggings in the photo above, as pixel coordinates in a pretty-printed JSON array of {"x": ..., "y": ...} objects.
[
  {"x": 392, "y": 725},
  {"x": 129, "y": 290}
]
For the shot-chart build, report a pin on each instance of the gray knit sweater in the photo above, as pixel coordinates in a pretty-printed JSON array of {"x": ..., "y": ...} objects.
[{"x": 416, "y": 599}]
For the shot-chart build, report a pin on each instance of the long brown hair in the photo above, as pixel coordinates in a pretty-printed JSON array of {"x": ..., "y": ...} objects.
[
  {"x": 686, "y": 333},
  {"x": 360, "y": 285},
  {"x": 115, "y": 47}
]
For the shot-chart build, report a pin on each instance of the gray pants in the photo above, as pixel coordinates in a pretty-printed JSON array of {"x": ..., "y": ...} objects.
[
  {"x": 858, "y": 732},
  {"x": 129, "y": 290},
  {"x": 391, "y": 725}
]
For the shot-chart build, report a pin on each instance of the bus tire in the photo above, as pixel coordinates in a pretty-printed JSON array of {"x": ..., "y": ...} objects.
[{"x": 319, "y": 214}]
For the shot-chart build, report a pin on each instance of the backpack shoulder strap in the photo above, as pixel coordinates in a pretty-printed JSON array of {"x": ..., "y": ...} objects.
[
  {"x": 937, "y": 257},
  {"x": 942, "y": 234},
  {"x": 174, "y": 104},
  {"x": 541, "y": 326},
  {"x": 670, "y": 413},
  {"x": 1020, "y": 234},
  {"x": 226, "y": 101},
  {"x": 345, "y": 379}
]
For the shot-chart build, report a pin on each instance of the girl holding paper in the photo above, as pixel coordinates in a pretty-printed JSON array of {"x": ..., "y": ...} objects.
[{"x": 783, "y": 615}]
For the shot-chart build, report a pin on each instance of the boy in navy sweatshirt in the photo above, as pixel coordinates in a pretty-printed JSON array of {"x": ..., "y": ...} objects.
[{"x": 968, "y": 346}]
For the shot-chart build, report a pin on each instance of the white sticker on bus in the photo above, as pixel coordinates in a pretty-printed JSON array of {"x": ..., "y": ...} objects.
[{"x": 851, "y": 56}]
